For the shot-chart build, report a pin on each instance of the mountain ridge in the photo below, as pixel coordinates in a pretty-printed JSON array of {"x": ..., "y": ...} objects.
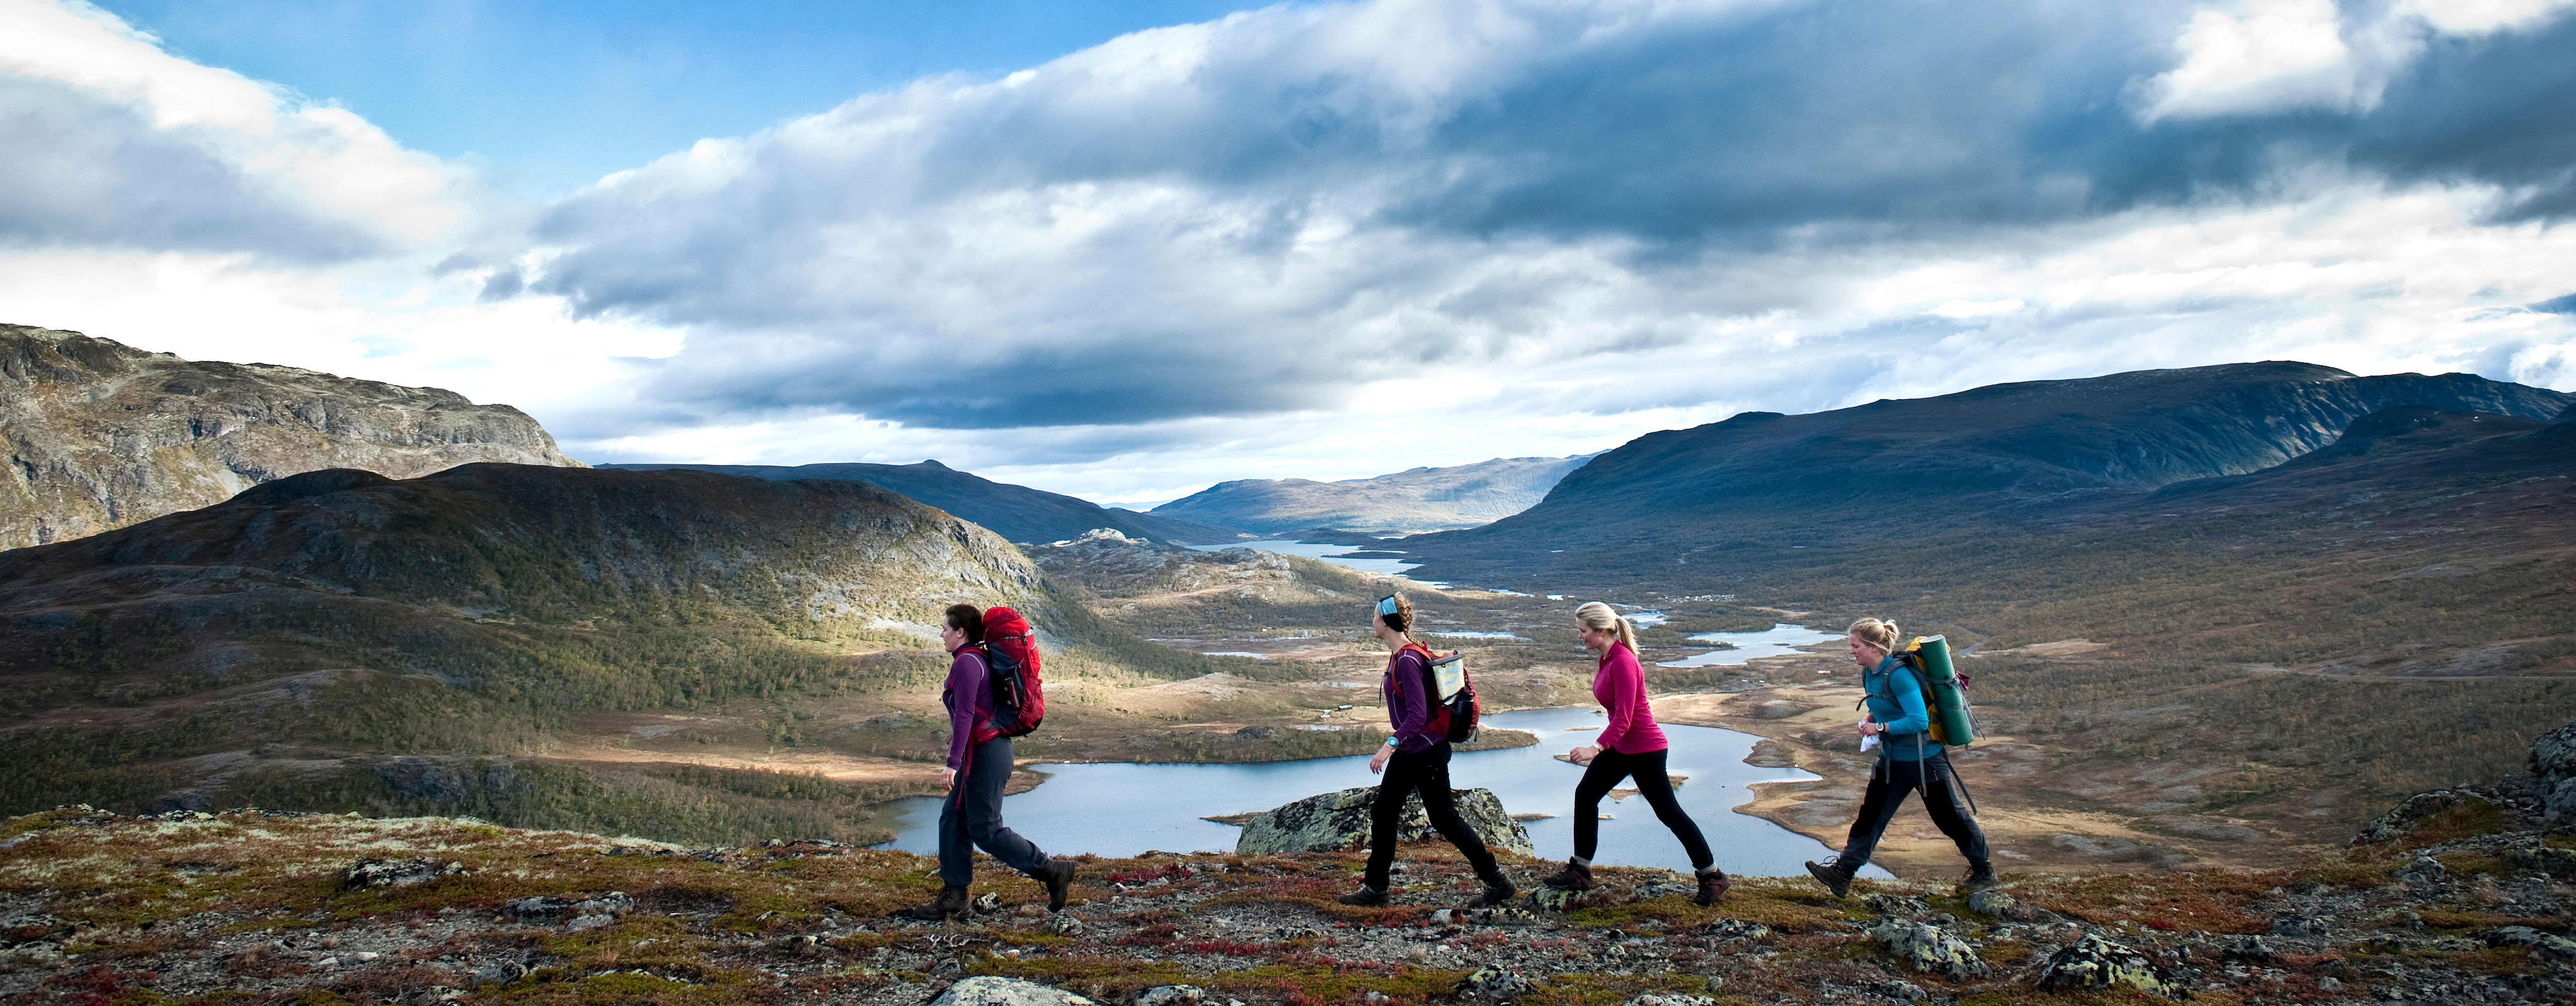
[
  {"x": 1414, "y": 500},
  {"x": 1997, "y": 455},
  {"x": 1016, "y": 512},
  {"x": 102, "y": 435}
]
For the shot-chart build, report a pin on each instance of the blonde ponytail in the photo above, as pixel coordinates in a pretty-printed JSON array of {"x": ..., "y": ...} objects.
[
  {"x": 1596, "y": 616},
  {"x": 1878, "y": 632}
]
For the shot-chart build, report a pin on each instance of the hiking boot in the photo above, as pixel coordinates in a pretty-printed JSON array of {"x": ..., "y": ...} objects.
[
  {"x": 1498, "y": 890},
  {"x": 1833, "y": 876},
  {"x": 1575, "y": 877},
  {"x": 1712, "y": 886},
  {"x": 1365, "y": 897},
  {"x": 950, "y": 904},
  {"x": 1981, "y": 877},
  {"x": 1057, "y": 875}
]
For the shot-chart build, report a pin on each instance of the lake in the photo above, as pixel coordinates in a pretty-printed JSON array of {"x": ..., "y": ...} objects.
[
  {"x": 1118, "y": 809},
  {"x": 1771, "y": 642},
  {"x": 1328, "y": 553}
]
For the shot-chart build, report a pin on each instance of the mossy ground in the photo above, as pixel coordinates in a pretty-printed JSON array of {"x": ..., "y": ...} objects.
[{"x": 251, "y": 908}]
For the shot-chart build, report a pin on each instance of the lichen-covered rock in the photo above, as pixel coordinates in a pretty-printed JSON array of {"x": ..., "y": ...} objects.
[
  {"x": 1171, "y": 995},
  {"x": 993, "y": 990},
  {"x": 2537, "y": 857},
  {"x": 1670, "y": 999},
  {"x": 2543, "y": 945},
  {"x": 1734, "y": 930},
  {"x": 2301, "y": 926},
  {"x": 1993, "y": 903},
  {"x": 1896, "y": 906},
  {"x": 1064, "y": 925},
  {"x": 1929, "y": 949},
  {"x": 1552, "y": 899},
  {"x": 2095, "y": 962},
  {"x": 2401, "y": 819},
  {"x": 1651, "y": 891},
  {"x": 1339, "y": 822},
  {"x": 2249, "y": 950},
  {"x": 1494, "y": 983},
  {"x": 367, "y": 873},
  {"x": 986, "y": 904}
]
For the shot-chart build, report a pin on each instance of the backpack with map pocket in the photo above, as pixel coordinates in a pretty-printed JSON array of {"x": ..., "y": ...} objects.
[{"x": 1453, "y": 695}]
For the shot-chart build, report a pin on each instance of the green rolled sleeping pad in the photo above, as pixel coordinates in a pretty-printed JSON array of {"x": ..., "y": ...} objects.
[{"x": 1951, "y": 722}]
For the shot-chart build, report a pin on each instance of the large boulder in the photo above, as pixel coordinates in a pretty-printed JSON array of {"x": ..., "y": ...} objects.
[
  {"x": 994, "y": 990},
  {"x": 1339, "y": 822},
  {"x": 2553, "y": 763}
]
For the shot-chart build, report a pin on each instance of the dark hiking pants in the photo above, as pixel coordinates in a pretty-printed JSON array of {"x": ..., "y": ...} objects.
[
  {"x": 1653, "y": 783},
  {"x": 1889, "y": 784},
  {"x": 972, "y": 817},
  {"x": 1425, "y": 772}
]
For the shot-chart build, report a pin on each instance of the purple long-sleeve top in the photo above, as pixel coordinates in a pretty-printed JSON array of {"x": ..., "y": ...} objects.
[
  {"x": 1408, "y": 701},
  {"x": 1620, "y": 686},
  {"x": 966, "y": 675}
]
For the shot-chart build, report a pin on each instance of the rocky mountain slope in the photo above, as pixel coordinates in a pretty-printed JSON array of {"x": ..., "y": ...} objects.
[
  {"x": 1406, "y": 502},
  {"x": 2458, "y": 895},
  {"x": 1997, "y": 457},
  {"x": 101, "y": 435},
  {"x": 1018, "y": 513}
]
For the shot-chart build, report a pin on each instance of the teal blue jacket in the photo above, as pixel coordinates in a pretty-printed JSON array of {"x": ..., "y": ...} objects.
[{"x": 1895, "y": 698}]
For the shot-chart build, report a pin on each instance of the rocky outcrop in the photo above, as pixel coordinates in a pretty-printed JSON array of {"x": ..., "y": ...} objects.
[
  {"x": 2553, "y": 765},
  {"x": 1414, "y": 500},
  {"x": 1339, "y": 821},
  {"x": 990, "y": 990},
  {"x": 101, "y": 435},
  {"x": 2097, "y": 962}
]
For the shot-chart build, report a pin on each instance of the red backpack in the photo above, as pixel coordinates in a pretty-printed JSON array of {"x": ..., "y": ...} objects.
[{"x": 1011, "y": 662}]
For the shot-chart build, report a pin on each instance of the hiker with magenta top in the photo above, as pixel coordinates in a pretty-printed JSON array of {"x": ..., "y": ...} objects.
[
  {"x": 1415, "y": 759},
  {"x": 984, "y": 713},
  {"x": 1909, "y": 761},
  {"x": 1630, "y": 745}
]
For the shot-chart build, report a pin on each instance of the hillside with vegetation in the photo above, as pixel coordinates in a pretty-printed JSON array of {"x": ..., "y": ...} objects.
[
  {"x": 1016, "y": 512},
  {"x": 668, "y": 653},
  {"x": 102, "y": 435},
  {"x": 1406, "y": 502}
]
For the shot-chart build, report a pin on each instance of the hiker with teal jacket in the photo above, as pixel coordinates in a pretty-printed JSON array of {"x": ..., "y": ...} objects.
[{"x": 1909, "y": 760}]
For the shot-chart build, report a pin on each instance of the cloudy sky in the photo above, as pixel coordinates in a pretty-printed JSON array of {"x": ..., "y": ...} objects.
[{"x": 1126, "y": 252}]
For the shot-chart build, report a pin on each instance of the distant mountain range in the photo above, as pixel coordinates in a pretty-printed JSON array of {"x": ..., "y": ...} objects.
[
  {"x": 101, "y": 435},
  {"x": 2006, "y": 455},
  {"x": 1016, "y": 512},
  {"x": 1410, "y": 501}
]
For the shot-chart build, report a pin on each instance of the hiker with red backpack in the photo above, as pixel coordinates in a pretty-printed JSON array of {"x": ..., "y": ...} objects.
[
  {"x": 992, "y": 696},
  {"x": 1630, "y": 746},
  {"x": 1416, "y": 759}
]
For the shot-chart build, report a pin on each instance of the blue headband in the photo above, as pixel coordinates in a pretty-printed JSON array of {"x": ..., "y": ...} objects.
[{"x": 1386, "y": 605}]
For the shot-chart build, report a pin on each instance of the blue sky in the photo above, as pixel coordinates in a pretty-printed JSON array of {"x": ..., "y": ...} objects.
[
  {"x": 550, "y": 96},
  {"x": 1128, "y": 252}
]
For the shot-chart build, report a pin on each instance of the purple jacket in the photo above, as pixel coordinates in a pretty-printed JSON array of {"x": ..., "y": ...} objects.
[
  {"x": 966, "y": 675},
  {"x": 1408, "y": 701}
]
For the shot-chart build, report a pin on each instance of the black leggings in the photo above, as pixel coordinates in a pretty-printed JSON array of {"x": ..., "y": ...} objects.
[
  {"x": 1888, "y": 785},
  {"x": 1426, "y": 772},
  {"x": 1657, "y": 787}
]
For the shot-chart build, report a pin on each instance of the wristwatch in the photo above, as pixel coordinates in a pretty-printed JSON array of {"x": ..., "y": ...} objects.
[{"x": 1392, "y": 742}]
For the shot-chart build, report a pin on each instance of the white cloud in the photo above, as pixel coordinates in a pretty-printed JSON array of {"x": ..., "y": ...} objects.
[
  {"x": 1334, "y": 241},
  {"x": 110, "y": 141},
  {"x": 2259, "y": 56}
]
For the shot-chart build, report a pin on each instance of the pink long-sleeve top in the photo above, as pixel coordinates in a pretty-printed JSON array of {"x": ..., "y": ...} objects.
[{"x": 1620, "y": 687}]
